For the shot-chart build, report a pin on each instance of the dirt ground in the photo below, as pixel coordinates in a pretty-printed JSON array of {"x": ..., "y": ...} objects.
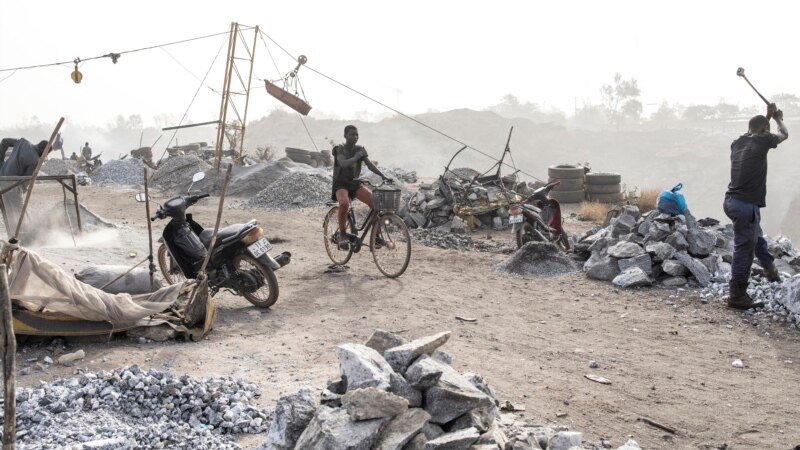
[{"x": 668, "y": 356}]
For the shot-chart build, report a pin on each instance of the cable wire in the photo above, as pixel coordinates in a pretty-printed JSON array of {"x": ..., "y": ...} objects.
[
  {"x": 308, "y": 132},
  {"x": 190, "y": 72}
]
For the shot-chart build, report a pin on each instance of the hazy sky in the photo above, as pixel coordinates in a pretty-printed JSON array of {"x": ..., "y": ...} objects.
[{"x": 414, "y": 55}]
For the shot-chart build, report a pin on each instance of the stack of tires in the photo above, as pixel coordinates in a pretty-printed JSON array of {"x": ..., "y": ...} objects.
[
  {"x": 571, "y": 188},
  {"x": 302, "y": 156},
  {"x": 604, "y": 187}
]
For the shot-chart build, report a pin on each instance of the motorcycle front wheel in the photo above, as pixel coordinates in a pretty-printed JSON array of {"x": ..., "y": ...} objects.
[
  {"x": 267, "y": 293},
  {"x": 169, "y": 267}
]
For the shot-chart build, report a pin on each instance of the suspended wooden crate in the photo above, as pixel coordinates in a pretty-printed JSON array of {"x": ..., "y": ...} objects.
[{"x": 288, "y": 99}]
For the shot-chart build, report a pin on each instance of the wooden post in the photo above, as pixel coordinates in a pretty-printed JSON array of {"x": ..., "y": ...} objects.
[
  {"x": 152, "y": 266},
  {"x": 9, "y": 350},
  {"x": 219, "y": 218}
]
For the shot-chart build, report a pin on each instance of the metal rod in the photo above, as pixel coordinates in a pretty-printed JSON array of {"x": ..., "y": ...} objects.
[
  {"x": 247, "y": 97},
  {"x": 9, "y": 350},
  {"x": 178, "y": 127},
  {"x": 149, "y": 229},
  {"x": 66, "y": 212},
  {"x": 224, "y": 100},
  {"x": 77, "y": 205},
  {"x": 42, "y": 158},
  {"x": 219, "y": 218},
  {"x": 122, "y": 275}
]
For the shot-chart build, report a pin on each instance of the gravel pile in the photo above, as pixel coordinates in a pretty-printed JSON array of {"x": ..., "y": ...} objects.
[
  {"x": 136, "y": 409},
  {"x": 126, "y": 172},
  {"x": 406, "y": 176},
  {"x": 539, "y": 259},
  {"x": 293, "y": 190},
  {"x": 57, "y": 166},
  {"x": 444, "y": 239},
  {"x": 177, "y": 170}
]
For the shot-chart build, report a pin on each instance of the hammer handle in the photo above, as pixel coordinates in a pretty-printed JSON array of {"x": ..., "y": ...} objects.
[{"x": 754, "y": 88}]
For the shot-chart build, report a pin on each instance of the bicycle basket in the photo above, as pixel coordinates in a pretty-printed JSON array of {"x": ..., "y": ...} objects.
[{"x": 386, "y": 199}]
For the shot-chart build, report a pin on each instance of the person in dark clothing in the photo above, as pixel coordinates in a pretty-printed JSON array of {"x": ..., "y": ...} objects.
[
  {"x": 745, "y": 197},
  {"x": 346, "y": 169},
  {"x": 86, "y": 152},
  {"x": 21, "y": 162}
]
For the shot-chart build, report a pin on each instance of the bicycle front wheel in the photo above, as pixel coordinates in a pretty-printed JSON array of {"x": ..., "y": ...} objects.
[
  {"x": 390, "y": 244},
  {"x": 329, "y": 227}
]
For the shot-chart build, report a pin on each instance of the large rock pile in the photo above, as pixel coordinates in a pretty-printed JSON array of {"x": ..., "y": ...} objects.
[
  {"x": 58, "y": 166},
  {"x": 126, "y": 172},
  {"x": 400, "y": 395},
  {"x": 132, "y": 408},
  {"x": 176, "y": 171},
  {"x": 297, "y": 189}
]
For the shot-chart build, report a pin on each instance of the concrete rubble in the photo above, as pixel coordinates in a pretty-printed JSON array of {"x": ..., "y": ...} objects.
[{"x": 362, "y": 410}]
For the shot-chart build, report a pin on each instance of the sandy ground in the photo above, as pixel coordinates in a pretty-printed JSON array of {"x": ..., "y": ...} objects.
[{"x": 668, "y": 356}]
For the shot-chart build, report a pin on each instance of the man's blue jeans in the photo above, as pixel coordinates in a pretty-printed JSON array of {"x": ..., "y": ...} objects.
[{"x": 748, "y": 239}]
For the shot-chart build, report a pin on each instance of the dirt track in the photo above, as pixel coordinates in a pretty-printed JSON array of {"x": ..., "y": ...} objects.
[{"x": 532, "y": 341}]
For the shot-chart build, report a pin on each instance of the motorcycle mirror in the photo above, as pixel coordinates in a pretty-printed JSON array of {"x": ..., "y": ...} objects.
[
  {"x": 141, "y": 197},
  {"x": 198, "y": 176}
]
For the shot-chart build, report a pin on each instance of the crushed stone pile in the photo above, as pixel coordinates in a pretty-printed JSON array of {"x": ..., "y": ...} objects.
[
  {"x": 539, "y": 259},
  {"x": 681, "y": 251},
  {"x": 444, "y": 239},
  {"x": 58, "y": 166},
  {"x": 177, "y": 171},
  {"x": 396, "y": 394},
  {"x": 130, "y": 408},
  {"x": 396, "y": 173},
  {"x": 126, "y": 172},
  {"x": 293, "y": 190},
  {"x": 246, "y": 181}
]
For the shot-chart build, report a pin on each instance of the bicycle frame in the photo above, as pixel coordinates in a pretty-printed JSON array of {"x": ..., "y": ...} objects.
[{"x": 365, "y": 227}]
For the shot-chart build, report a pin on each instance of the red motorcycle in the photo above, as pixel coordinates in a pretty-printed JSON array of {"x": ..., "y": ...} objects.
[{"x": 538, "y": 219}]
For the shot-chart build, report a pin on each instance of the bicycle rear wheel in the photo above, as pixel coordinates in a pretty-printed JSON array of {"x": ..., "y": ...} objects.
[
  {"x": 329, "y": 227},
  {"x": 390, "y": 244}
]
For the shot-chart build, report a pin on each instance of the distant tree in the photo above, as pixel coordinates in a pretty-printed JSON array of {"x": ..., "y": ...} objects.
[
  {"x": 590, "y": 116},
  {"x": 726, "y": 111},
  {"x": 788, "y": 103},
  {"x": 665, "y": 113},
  {"x": 694, "y": 113},
  {"x": 510, "y": 107},
  {"x": 620, "y": 99}
]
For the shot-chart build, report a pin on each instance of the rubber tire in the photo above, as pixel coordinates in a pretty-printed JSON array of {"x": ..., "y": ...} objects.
[
  {"x": 603, "y": 188},
  {"x": 269, "y": 277},
  {"x": 568, "y": 184},
  {"x": 329, "y": 226},
  {"x": 374, "y": 235},
  {"x": 603, "y": 178},
  {"x": 563, "y": 171},
  {"x": 568, "y": 196},
  {"x": 163, "y": 254},
  {"x": 606, "y": 198}
]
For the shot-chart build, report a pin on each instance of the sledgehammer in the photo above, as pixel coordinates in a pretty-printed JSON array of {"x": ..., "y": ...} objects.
[{"x": 740, "y": 72}]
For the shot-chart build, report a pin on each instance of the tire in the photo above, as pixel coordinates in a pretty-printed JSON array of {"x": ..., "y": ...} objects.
[
  {"x": 568, "y": 184},
  {"x": 603, "y": 178},
  {"x": 563, "y": 242},
  {"x": 528, "y": 232},
  {"x": 169, "y": 267},
  {"x": 568, "y": 196},
  {"x": 603, "y": 188},
  {"x": 266, "y": 295},
  {"x": 330, "y": 226},
  {"x": 393, "y": 256},
  {"x": 563, "y": 171},
  {"x": 606, "y": 198}
]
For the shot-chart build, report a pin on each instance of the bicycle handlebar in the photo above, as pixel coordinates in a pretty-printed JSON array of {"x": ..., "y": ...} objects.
[{"x": 366, "y": 181}]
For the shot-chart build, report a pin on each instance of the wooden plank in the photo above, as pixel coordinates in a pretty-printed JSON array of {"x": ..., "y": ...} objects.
[{"x": 9, "y": 350}]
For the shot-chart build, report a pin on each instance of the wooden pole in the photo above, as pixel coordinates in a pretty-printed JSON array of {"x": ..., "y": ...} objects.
[
  {"x": 224, "y": 101},
  {"x": 219, "y": 218},
  {"x": 149, "y": 229},
  {"x": 42, "y": 158},
  {"x": 247, "y": 97},
  {"x": 9, "y": 350}
]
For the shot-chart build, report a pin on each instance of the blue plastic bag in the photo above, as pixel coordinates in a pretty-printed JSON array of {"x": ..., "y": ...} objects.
[{"x": 671, "y": 201}]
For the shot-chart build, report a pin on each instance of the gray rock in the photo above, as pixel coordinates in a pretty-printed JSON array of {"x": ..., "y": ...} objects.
[
  {"x": 543, "y": 435},
  {"x": 632, "y": 277},
  {"x": 630, "y": 445},
  {"x": 432, "y": 431},
  {"x": 401, "y": 430},
  {"x": 481, "y": 417},
  {"x": 711, "y": 263},
  {"x": 442, "y": 356},
  {"x": 423, "y": 373},
  {"x": 524, "y": 441},
  {"x": 658, "y": 232},
  {"x": 457, "y": 440},
  {"x": 381, "y": 340},
  {"x": 400, "y": 357},
  {"x": 453, "y": 396},
  {"x": 660, "y": 250},
  {"x": 363, "y": 367},
  {"x": 674, "y": 281},
  {"x": 493, "y": 436},
  {"x": 642, "y": 261},
  {"x": 565, "y": 440},
  {"x": 292, "y": 415},
  {"x": 677, "y": 241},
  {"x": 625, "y": 250},
  {"x": 605, "y": 268},
  {"x": 400, "y": 387},
  {"x": 790, "y": 295},
  {"x": 624, "y": 224},
  {"x": 697, "y": 268},
  {"x": 332, "y": 429},
  {"x": 372, "y": 403},
  {"x": 478, "y": 381},
  {"x": 419, "y": 441},
  {"x": 701, "y": 242},
  {"x": 674, "y": 268}
]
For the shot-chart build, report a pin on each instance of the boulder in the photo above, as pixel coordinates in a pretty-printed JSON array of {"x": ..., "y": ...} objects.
[
  {"x": 697, "y": 268},
  {"x": 432, "y": 431},
  {"x": 457, "y": 440},
  {"x": 423, "y": 373},
  {"x": 363, "y": 367},
  {"x": 661, "y": 251},
  {"x": 658, "y": 232},
  {"x": 625, "y": 250},
  {"x": 453, "y": 396},
  {"x": 381, "y": 340},
  {"x": 565, "y": 440},
  {"x": 674, "y": 281},
  {"x": 642, "y": 261},
  {"x": 332, "y": 429},
  {"x": 292, "y": 415},
  {"x": 481, "y": 417},
  {"x": 605, "y": 268},
  {"x": 790, "y": 297},
  {"x": 632, "y": 277},
  {"x": 711, "y": 263},
  {"x": 674, "y": 268},
  {"x": 624, "y": 224},
  {"x": 493, "y": 436},
  {"x": 417, "y": 443},
  {"x": 400, "y": 357},
  {"x": 401, "y": 430},
  {"x": 677, "y": 241},
  {"x": 400, "y": 387},
  {"x": 372, "y": 403},
  {"x": 478, "y": 381}
]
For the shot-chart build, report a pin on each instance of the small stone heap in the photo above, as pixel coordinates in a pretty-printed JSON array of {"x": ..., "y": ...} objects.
[
  {"x": 136, "y": 409},
  {"x": 177, "y": 171},
  {"x": 400, "y": 395},
  {"x": 297, "y": 189},
  {"x": 538, "y": 259},
  {"x": 126, "y": 172}
]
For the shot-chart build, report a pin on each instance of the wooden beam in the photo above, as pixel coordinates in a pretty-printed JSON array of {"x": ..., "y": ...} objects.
[
  {"x": 178, "y": 127},
  {"x": 9, "y": 350}
]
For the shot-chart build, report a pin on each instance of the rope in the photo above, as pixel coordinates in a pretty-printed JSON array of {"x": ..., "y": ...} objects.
[
  {"x": 308, "y": 132},
  {"x": 261, "y": 35},
  {"x": 9, "y": 76},
  {"x": 114, "y": 56},
  {"x": 190, "y": 72}
]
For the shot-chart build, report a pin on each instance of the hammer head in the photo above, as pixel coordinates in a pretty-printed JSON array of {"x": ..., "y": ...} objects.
[{"x": 740, "y": 71}]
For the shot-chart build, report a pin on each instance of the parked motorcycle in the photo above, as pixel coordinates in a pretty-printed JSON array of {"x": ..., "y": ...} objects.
[
  {"x": 538, "y": 219},
  {"x": 92, "y": 164},
  {"x": 240, "y": 261}
]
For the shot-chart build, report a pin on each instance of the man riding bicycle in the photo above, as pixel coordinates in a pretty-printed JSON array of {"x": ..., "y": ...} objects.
[{"x": 346, "y": 186}]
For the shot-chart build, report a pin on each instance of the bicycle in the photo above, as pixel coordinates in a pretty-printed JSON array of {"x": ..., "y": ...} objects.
[{"x": 389, "y": 240}]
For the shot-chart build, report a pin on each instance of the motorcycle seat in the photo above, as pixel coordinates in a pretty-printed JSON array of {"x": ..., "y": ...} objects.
[{"x": 223, "y": 234}]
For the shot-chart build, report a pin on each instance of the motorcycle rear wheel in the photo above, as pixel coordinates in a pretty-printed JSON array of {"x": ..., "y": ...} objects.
[
  {"x": 169, "y": 267},
  {"x": 266, "y": 295}
]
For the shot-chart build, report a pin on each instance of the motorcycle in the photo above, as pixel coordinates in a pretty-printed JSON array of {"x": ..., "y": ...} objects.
[
  {"x": 92, "y": 164},
  {"x": 538, "y": 219},
  {"x": 240, "y": 261}
]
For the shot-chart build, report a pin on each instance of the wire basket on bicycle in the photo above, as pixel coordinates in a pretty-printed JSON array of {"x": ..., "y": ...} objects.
[{"x": 386, "y": 198}]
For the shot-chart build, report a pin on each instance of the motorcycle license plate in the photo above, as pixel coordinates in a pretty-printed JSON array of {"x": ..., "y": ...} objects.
[
  {"x": 516, "y": 218},
  {"x": 259, "y": 247}
]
